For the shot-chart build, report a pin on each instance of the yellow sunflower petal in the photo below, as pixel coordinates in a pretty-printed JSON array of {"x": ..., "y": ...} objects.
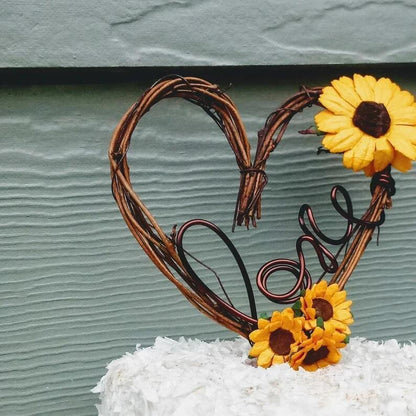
[
  {"x": 320, "y": 288},
  {"x": 400, "y": 100},
  {"x": 288, "y": 312},
  {"x": 371, "y": 81},
  {"x": 406, "y": 115},
  {"x": 369, "y": 170},
  {"x": 342, "y": 327},
  {"x": 262, "y": 323},
  {"x": 306, "y": 302},
  {"x": 339, "y": 297},
  {"x": 404, "y": 132},
  {"x": 363, "y": 152},
  {"x": 265, "y": 358},
  {"x": 401, "y": 162},
  {"x": 310, "y": 313},
  {"x": 342, "y": 141},
  {"x": 345, "y": 305},
  {"x": 310, "y": 324},
  {"x": 394, "y": 90},
  {"x": 347, "y": 322},
  {"x": 348, "y": 159},
  {"x": 295, "y": 360},
  {"x": 364, "y": 87},
  {"x": 287, "y": 322},
  {"x": 331, "y": 123},
  {"x": 333, "y": 102},
  {"x": 384, "y": 90},
  {"x": 405, "y": 147},
  {"x": 278, "y": 359},
  {"x": 275, "y": 325},
  {"x": 339, "y": 339},
  {"x": 298, "y": 325},
  {"x": 259, "y": 335},
  {"x": 345, "y": 88},
  {"x": 258, "y": 348},
  {"x": 333, "y": 356},
  {"x": 312, "y": 367},
  {"x": 317, "y": 334},
  {"x": 332, "y": 289},
  {"x": 383, "y": 155},
  {"x": 342, "y": 315}
]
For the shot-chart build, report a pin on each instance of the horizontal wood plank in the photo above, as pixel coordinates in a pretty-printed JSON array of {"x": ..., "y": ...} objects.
[
  {"x": 153, "y": 33},
  {"x": 76, "y": 290}
]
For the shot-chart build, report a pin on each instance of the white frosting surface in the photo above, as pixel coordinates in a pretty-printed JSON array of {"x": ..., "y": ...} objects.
[{"x": 193, "y": 377}]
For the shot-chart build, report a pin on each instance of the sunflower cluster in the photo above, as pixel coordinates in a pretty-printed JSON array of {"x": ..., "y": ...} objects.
[
  {"x": 309, "y": 334},
  {"x": 372, "y": 122}
]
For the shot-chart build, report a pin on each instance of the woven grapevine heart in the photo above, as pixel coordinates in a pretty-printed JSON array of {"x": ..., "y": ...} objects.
[{"x": 166, "y": 250}]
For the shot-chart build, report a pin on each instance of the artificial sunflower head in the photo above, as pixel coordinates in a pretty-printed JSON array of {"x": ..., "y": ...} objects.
[
  {"x": 329, "y": 304},
  {"x": 274, "y": 338},
  {"x": 319, "y": 350},
  {"x": 373, "y": 122}
]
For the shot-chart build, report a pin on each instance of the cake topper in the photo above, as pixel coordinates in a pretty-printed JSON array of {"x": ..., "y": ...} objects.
[{"x": 371, "y": 122}]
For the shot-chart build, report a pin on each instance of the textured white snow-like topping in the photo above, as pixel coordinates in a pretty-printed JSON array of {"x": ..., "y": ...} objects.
[{"x": 192, "y": 377}]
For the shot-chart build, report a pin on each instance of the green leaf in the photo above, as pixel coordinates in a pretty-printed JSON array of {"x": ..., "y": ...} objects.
[
  {"x": 264, "y": 315},
  {"x": 297, "y": 313},
  {"x": 297, "y": 308},
  {"x": 303, "y": 293},
  {"x": 346, "y": 339},
  {"x": 297, "y": 305},
  {"x": 320, "y": 322}
]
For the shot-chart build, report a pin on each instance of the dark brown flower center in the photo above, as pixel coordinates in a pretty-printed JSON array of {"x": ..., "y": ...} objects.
[
  {"x": 280, "y": 341},
  {"x": 372, "y": 118},
  {"x": 323, "y": 309},
  {"x": 313, "y": 356}
]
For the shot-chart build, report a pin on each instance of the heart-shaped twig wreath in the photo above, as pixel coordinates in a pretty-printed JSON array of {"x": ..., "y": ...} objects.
[{"x": 366, "y": 125}]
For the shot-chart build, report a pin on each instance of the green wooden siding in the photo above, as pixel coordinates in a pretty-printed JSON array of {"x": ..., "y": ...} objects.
[
  {"x": 76, "y": 290},
  {"x": 144, "y": 33}
]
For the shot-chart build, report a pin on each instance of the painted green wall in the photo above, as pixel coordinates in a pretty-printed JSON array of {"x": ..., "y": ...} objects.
[
  {"x": 76, "y": 290},
  {"x": 81, "y": 33}
]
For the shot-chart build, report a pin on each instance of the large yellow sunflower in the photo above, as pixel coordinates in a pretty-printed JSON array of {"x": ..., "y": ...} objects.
[
  {"x": 319, "y": 350},
  {"x": 328, "y": 303},
  {"x": 373, "y": 122},
  {"x": 274, "y": 338}
]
